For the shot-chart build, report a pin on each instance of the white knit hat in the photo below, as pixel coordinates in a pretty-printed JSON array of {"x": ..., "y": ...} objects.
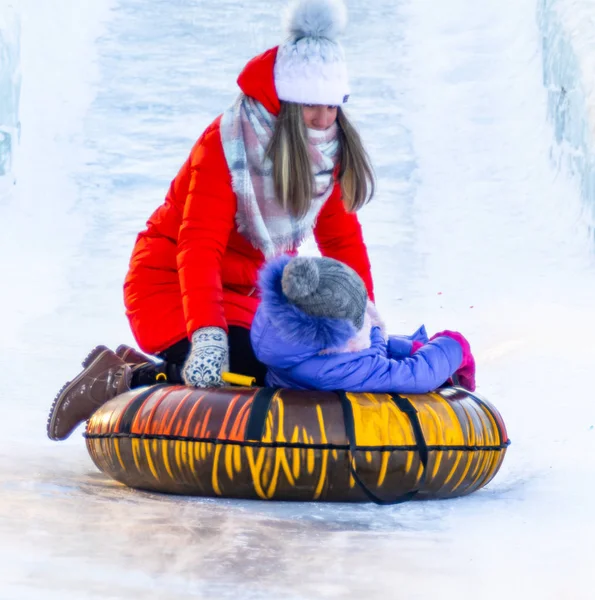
[{"x": 310, "y": 67}]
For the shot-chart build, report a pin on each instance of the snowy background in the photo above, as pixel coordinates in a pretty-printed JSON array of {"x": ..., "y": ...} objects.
[{"x": 483, "y": 222}]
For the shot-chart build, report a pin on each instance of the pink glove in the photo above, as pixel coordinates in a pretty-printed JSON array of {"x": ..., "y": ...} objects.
[
  {"x": 466, "y": 372},
  {"x": 415, "y": 346}
]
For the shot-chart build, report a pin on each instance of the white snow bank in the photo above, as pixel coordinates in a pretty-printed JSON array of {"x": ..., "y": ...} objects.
[
  {"x": 568, "y": 34},
  {"x": 10, "y": 85}
]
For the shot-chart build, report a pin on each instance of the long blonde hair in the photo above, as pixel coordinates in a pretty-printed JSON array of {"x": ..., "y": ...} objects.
[{"x": 292, "y": 169}]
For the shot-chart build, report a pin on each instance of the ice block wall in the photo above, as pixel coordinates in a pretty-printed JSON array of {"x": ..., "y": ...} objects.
[
  {"x": 10, "y": 85},
  {"x": 568, "y": 37}
]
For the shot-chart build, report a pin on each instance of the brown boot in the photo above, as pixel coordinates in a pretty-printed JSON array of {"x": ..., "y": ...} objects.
[
  {"x": 105, "y": 376},
  {"x": 132, "y": 356},
  {"x": 153, "y": 371},
  {"x": 129, "y": 355}
]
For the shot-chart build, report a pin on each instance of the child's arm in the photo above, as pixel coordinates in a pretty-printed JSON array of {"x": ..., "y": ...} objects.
[
  {"x": 368, "y": 371},
  {"x": 401, "y": 346}
]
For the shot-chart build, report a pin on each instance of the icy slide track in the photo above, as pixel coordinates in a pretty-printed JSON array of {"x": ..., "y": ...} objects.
[
  {"x": 472, "y": 229},
  {"x": 569, "y": 76}
]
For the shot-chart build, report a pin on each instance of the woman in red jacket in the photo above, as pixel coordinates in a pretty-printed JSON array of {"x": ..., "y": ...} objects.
[{"x": 281, "y": 163}]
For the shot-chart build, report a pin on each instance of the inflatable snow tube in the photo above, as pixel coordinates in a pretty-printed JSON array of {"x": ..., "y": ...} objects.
[{"x": 284, "y": 444}]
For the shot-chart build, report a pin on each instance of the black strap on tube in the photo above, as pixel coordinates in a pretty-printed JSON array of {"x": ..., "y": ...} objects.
[
  {"x": 258, "y": 413},
  {"x": 405, "y": 406}
]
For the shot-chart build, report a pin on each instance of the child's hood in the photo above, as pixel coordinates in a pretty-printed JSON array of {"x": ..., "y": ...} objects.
[{"x": 284, "y": 335}]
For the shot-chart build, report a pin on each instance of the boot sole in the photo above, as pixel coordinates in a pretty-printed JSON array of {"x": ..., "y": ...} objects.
[{"x": 94, "y": 355}]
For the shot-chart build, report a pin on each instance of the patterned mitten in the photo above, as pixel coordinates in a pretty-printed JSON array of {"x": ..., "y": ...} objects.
[{"x": 208, "y": 358}]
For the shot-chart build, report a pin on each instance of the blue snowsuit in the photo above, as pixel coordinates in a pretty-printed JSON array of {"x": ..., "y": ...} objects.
[{"x": 289, "y": 342}]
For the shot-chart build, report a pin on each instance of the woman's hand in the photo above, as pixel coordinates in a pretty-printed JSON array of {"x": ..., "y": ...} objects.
[{"x": 208, "y": 358}]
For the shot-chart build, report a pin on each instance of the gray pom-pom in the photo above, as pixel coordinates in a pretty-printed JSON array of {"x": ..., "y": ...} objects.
[
  {"x": 300, "y": 278},
  {"x": 316, "y": 18}
]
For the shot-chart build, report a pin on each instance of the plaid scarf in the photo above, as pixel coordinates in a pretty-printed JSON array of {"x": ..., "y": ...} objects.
[{"x": 246, "y": 129}]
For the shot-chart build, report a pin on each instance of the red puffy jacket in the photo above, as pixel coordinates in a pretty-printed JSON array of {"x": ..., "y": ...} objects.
[{"x": 190, "y": 267}]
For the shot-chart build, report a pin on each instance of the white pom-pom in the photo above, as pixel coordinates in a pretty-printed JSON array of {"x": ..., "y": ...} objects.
[
  {"x": 316, "y": 18},
  {"x": 300, "y": 278}
]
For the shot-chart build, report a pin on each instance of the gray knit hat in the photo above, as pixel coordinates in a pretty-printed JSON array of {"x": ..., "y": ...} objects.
[{"x": 325, "y": 287}]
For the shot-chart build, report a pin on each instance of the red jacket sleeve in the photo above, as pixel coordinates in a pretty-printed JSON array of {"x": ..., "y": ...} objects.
[
  {"x": 208, "y": 219},
  {"x": 339, "y": 236}
]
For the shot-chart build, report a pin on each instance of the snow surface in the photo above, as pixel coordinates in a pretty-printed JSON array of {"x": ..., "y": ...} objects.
[
  {"x": 569, "y": 75},
  {"x": 474, "y": 228}
]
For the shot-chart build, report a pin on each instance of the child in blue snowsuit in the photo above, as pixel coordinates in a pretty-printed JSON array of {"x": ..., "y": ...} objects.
[{"x": 316, "y": 329}]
